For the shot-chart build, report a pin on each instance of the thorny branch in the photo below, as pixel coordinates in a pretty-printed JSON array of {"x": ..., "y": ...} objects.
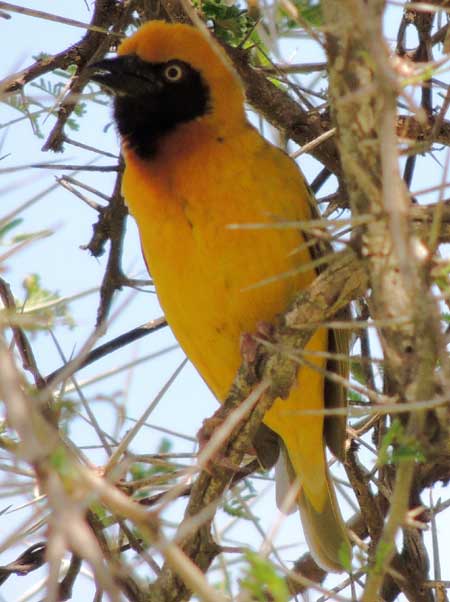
[
  {"x": 39, "y": 442},
  {"x": 330, "y": 292},
  {"x": 392, "y": 257},
  {"x": 397, "y": 261}
]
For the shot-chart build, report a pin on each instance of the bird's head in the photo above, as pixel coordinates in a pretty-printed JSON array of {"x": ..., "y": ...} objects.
[{"x": 166, "y": 75}]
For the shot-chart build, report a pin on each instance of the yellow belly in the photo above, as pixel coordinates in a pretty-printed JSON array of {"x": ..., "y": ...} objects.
[{"x": 207, "y": 274}]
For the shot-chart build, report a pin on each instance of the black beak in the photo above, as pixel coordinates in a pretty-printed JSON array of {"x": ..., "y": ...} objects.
[{"x": 126, "y": 76}]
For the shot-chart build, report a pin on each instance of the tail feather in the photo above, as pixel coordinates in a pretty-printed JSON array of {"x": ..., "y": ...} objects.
[{"x": 325, "y": 530}]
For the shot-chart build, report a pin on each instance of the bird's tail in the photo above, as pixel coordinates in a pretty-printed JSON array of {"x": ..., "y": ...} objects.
[{"x": 325, "y": 530}]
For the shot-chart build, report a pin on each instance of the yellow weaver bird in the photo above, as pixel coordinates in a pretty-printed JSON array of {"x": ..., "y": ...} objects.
[{"x": 194, "y": 165}]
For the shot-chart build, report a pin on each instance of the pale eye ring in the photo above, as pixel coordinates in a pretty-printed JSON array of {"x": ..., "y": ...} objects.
[{"x": 173, "y": 72}]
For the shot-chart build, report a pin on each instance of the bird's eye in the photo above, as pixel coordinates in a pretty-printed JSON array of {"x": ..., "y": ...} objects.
[{"x": 173, "y": 72}]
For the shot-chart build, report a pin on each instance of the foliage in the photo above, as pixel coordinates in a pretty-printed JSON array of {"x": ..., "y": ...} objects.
[
  {"x": 397, "y": 446},
  {"x": 232, "y": 24},
  {"x": 262, "y": 581},
  {"x": 111, "y": 491}
]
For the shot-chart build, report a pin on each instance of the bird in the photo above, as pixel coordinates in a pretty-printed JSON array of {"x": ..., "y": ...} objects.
[{"x": 196, "y": 173}]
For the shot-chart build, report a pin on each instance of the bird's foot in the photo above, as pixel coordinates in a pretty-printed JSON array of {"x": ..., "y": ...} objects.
[{"x": 250, "y": 342}]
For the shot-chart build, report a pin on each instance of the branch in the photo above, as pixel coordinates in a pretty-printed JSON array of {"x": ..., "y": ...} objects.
[
  {"x": 93, "y": 46},
  {"x": 110, "y": 226},
  {"x": 109, "y": 19},
  {"x": 30, "y": 560},
  {"x": 332, "y": 291},
  {"x": 70, "y": 486},
  {"x": 364, "y": 98},
  {"x": 283, "y": 112}
]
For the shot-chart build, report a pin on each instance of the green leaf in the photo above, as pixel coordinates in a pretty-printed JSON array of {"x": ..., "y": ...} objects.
[
  {"x": 309, "y": 12},
  {"x": 100, "y": 512},
  {"x": 357, "y": 372},
  {"x": 441, "y": 276},
  {"x": 39, "y": 301},
  {"x": 236, "y": 507},
  {"x": 231, "y": 23},
  {"x": 61, "y": 463},
  {"x": 356, "y": 397},
  {"x": 345, "y": 556},
  {"x": 397, "y": 446},
  {"x": 165, "y": 446},
  {"x": 6, "y": 228},
  {"x": 141, "y": 470},
  {"x": 262, "y": 581},
  {"x": 31, "y": 235}
]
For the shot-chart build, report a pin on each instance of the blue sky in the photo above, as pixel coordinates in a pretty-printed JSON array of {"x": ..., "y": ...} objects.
[{"x": 65, "y": 267}]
